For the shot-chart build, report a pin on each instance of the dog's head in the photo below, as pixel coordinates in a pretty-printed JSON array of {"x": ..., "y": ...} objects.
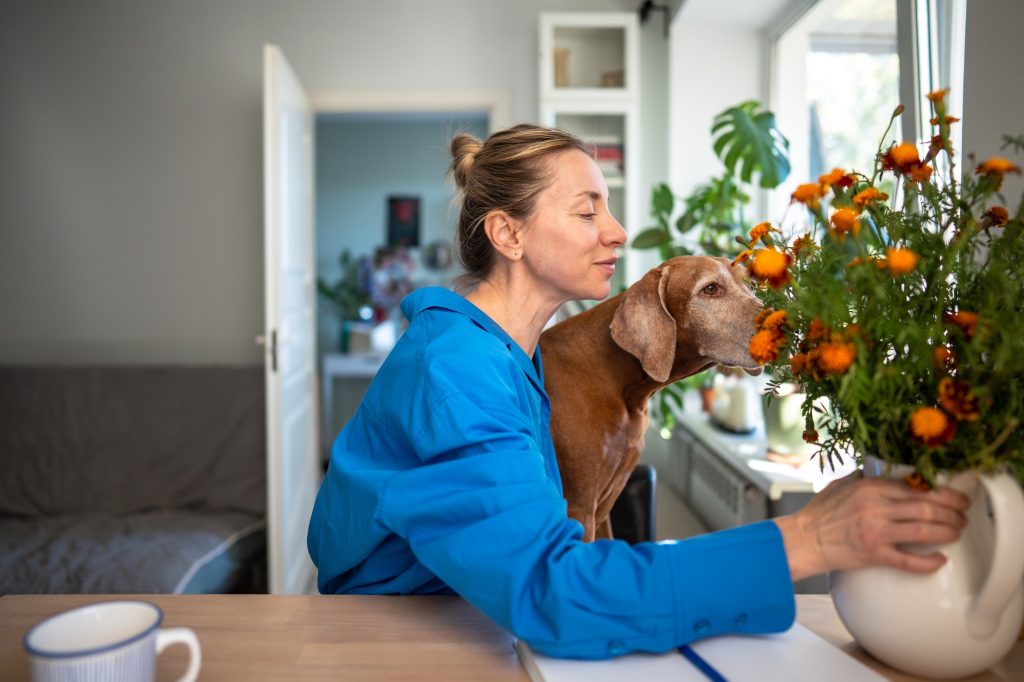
[{"x": 698, "y": 302}]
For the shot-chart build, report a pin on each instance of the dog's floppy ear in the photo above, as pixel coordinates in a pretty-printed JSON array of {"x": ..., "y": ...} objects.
[{"x": 643, "y": 327}]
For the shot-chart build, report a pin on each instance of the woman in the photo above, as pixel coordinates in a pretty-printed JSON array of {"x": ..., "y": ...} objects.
[{"x": 446, "y": 479}]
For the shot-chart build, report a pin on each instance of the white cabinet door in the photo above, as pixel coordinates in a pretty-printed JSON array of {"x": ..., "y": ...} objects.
[{"x": 292, "y": 459}]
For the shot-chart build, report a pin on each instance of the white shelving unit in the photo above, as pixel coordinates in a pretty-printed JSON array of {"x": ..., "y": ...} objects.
[{"x": 589, "y": 86}]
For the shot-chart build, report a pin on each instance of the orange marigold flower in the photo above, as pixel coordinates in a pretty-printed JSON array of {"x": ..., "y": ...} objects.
[
  {"x": 957, "y": 398},
  {"x": 808, "y": 194},
  {"x": 810, "y": 436},
  {"x": 775, "y": 322},
  {"x": 799, "y": 363},
  {"x": 917, "y": 482},
  {"x": 744, "y": 255},
  {"x": 802, "y": 243},
  {"x": 905, "y": 155},
  {"x": 996, "y": 216},
  {"x": 817, "y": 332},
  {"x": 764, "y": 346},
  {"x": 761, "y": 317},
  {"x": 771, "y": 266},
  {"x": 845, "y": 221},
  {"x": 759, "y": 232},
  {"x": 866, "y": 196},
  {"x": 900, "y": 261},
  {"x": 931, "y": 426},
  {"x": 966, "y": 320},
  {"x": 921, "y": 173},
  {"x": 949, "y": 120},
  {"x": 836, "y": 358},
  {"x": 837, "y": 176},
  {"x": 995, "y": 168},
  {"x": 831, "y": 178},
  {"x": 938, "y": 95},
  {"x": 943, "y": 356}
]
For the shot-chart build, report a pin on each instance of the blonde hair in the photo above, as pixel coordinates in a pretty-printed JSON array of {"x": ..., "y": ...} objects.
[{"x": 503, "y": 173}]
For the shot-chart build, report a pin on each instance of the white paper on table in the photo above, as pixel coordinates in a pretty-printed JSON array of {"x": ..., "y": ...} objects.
[{"x": 793, "y": 656}]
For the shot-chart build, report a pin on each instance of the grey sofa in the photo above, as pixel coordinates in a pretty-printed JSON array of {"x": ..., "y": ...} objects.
[{"x": 132, "y": 479}]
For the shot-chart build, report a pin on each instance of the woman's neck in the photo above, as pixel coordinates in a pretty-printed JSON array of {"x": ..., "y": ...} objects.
[{"x": 519, "y": 309}]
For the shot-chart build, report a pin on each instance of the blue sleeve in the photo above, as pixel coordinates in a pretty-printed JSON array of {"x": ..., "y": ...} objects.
[{"x": 481, "y": 514}]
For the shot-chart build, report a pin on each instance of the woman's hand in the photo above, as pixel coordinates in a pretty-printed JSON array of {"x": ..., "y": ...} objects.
[{"x": 858, "y": 522}]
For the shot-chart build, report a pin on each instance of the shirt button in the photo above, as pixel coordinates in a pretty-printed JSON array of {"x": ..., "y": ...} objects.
[
  {"x": 701, "y": 626},
  {"x": 741, "y": 620},
  {"x": 616, "y": 647}
]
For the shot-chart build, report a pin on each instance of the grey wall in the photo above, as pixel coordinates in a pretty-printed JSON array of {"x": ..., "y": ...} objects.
[
  {"x": 130, "y": 175},
  {"x": 994, "y": 84}
]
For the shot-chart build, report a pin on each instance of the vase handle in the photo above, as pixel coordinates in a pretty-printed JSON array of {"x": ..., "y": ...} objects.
[{"x": 1007, "y": 568}]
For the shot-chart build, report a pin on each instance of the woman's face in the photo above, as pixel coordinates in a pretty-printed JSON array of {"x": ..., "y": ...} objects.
[{"x": 571, "y": 238}]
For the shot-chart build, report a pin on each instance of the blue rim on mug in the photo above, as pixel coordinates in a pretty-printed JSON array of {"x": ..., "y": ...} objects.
[{"x": 42, "y": 653}]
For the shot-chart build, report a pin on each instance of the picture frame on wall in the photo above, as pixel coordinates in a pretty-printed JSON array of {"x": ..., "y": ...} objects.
[{"x": 403, "y": 221}]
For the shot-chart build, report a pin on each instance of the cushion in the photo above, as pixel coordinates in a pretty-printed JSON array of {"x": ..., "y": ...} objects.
[{"x": 156, "y": 552}]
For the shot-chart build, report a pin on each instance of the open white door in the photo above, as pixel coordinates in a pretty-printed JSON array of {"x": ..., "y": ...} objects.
[{"x": 292, "y": 457}]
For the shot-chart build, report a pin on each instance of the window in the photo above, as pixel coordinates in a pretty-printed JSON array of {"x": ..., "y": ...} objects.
[{"x": 835, "y": 83}]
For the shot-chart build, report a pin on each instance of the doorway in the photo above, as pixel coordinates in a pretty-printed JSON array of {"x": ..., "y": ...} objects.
[{"x": 384, "y": 223}]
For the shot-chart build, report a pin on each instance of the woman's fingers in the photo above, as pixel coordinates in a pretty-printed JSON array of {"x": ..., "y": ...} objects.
[
  {"x": 921, "y": 533},
  {"x": 930, "y": 512},
  {"x": 894, "y": 489}
]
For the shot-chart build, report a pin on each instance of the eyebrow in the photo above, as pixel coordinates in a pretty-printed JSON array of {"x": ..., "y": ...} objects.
[{"x": 596, "y": 196}]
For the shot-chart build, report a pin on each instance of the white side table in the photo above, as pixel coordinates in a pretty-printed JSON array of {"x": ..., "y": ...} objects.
[{"x": 343, "y": 366}]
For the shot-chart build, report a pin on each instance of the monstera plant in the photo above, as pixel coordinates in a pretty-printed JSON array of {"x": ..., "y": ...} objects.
[{"x": 709, "y": 219}]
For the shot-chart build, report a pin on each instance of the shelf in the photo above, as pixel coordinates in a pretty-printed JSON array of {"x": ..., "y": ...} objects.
[
  {"x": 594, "y": 54},
  {"x": 589, "y": 84}
]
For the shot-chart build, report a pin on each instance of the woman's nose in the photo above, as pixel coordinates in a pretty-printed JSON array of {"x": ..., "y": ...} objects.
[{"x": 615, "y": 233}]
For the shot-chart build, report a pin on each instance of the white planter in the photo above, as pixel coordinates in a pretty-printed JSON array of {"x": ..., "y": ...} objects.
[{"x": 961, "y": 619}]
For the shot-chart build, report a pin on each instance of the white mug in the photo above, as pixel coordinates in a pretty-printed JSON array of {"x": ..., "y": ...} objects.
[{"x": 114, "y": 640}]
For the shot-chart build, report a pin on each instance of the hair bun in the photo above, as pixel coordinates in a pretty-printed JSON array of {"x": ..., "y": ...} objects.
[{"x": 464, "y": 149}]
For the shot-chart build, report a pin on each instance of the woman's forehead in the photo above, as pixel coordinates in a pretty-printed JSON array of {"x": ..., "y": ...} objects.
[{"x": 575, "y": 176}]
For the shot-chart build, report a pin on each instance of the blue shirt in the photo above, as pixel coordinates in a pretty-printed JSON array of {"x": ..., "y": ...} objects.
[{"x": 446, "y": 480}]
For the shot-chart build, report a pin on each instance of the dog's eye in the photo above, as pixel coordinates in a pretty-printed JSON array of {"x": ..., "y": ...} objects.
[{"x": 710, "y": 289}]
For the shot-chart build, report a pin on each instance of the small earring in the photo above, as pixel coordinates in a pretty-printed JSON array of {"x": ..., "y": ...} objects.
[{"x": 516, "y": 254}]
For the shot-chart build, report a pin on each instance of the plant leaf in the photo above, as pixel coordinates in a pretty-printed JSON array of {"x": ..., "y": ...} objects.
[
  {"x": 650, "y": 238},
  {"x": 662, "y": 200},
  {"x": 747, "y": 142}
]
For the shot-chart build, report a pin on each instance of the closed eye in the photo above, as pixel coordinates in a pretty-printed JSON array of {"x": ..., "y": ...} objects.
[
  {"x": 587, "y": 216},
  {"x": 711, "y": 289}
]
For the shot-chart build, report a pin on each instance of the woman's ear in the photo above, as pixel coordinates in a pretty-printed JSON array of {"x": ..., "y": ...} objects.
[{"x": 505, "y": 233}]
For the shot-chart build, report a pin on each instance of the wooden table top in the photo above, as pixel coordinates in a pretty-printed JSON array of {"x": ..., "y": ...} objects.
[{"x": 263, "y": 637}]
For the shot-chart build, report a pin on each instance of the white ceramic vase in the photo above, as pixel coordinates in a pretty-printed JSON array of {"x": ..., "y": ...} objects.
[{"x": 961, "y": 619}]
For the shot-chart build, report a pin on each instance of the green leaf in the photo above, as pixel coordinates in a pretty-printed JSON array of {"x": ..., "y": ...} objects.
[
  {"x": 747, "y": 142},
  {"x": 662, "y": 200},
  {"x": 650, "y": 238}
]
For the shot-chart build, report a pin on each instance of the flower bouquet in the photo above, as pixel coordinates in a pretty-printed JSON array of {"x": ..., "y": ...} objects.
[{"x": 904, "y": 312}]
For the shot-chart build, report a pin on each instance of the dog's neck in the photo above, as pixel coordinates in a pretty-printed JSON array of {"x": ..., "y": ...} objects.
[{"x": 625, "y": 371}]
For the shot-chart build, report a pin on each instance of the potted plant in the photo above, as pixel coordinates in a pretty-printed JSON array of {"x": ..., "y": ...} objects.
[
  {"x": 349, "y": 296},
  {"x": 711, "y": 217},
  {"x": 905, "y": 313}
]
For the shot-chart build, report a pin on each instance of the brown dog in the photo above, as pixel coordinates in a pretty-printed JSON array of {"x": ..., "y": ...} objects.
[{"x": 602, "y": 366}]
